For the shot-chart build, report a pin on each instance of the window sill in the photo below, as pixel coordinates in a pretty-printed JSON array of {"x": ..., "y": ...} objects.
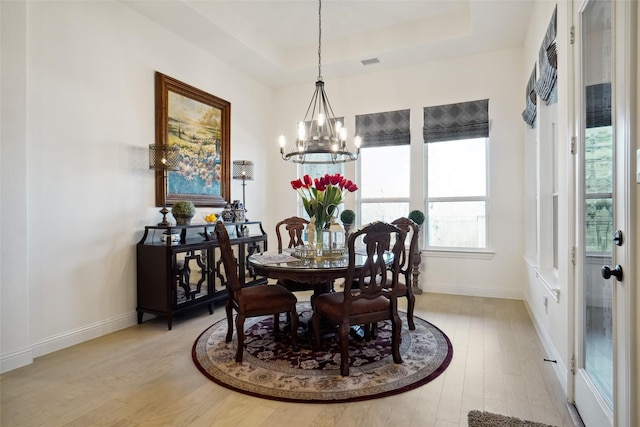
[
  {"x": 452, "y": 253},
  {"x": 547, "y": 277}
]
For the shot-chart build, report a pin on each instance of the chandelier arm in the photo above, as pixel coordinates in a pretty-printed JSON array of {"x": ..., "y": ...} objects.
[
  {"x": 311, "y": 104},
  {"x": 329, "y": 114},
  {"x": 337, "y": 157}
]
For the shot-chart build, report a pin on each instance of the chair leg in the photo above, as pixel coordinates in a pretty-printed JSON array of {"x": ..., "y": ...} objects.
[
  {"x": 229, "y": 310},
  {"x": 374, "y": 330},
  {"x": 344, "y": 348},
  {"x": 315, "y": 323},
  {"x": 293, "y": 314},
  {"x": 240, "y": 328},
  {"x": 276, "y": 322},
  {"x": 411, "y": 302},
  {"x": 396, "y": 337},
  {"x": 368, "y": 331}
]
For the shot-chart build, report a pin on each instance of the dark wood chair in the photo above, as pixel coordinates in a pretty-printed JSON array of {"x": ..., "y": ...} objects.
[
  {"x": 294, "y": 227},
  {"x": 376, "y": 297},
  {"x": 405, "y": 287},
  {"x": 252, "y": 301}
]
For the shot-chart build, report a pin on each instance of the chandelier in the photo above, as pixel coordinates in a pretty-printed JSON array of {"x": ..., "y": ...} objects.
[{"x": 321, "y": 138}]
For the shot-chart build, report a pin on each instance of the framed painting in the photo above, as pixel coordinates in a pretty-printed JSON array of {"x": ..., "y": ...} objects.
[{"x": 199, "y": 124}]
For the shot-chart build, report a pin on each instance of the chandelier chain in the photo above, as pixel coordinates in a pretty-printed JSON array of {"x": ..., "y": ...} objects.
[{"x": 320, "y": 39}]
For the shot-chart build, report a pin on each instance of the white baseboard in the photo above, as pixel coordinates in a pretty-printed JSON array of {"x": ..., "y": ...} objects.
[
  {"x": 47, "y": 345},
  {"x": 559, "y": 367},
  {"x": 15, "y": 360},
  {"x": 474, "y": 291},
  {"x": 86, "y": 333}
]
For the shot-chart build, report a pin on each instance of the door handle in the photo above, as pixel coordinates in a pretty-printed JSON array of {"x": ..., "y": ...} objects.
[{"x": 607, "y": 272}]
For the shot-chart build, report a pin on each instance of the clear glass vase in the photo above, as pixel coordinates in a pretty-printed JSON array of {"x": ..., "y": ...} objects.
[{"x": 318, "y": 240}]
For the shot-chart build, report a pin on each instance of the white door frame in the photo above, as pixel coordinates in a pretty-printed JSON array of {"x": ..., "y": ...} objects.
[{"x": 624, "y": 116}]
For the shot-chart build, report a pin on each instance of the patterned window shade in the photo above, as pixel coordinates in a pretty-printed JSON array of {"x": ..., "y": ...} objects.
[
  {"x": 598, "y": 107},
  {"x": 548, "y": 60},
  {"x": 456, "y": 121},
  {"x": 381, "y": 129},
  {"x": 531, "y": 100}
]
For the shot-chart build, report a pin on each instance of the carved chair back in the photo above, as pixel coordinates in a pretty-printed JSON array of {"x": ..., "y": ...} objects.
[{"x": 294, "y": 226}]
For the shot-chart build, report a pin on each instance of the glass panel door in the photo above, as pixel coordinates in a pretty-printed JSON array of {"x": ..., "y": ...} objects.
[
  {"x": 597, "y": 357},
  {"x": 594, "y": 382},
  {"x": 606, "y": 95}
]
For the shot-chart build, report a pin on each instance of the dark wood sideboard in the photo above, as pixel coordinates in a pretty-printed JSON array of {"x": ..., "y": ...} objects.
[{"x": 174, "y": 276}]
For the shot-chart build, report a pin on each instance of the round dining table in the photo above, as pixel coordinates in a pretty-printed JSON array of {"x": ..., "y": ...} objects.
[{"x": 320, "y": 272}]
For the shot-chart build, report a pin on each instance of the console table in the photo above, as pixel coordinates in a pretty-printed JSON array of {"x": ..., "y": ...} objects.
[{"x": 179, "y": 267}]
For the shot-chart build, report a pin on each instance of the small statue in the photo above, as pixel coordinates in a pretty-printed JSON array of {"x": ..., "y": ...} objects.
[{"x": 311, "y": 230}]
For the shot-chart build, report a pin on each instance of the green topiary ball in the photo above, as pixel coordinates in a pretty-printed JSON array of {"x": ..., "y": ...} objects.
[
  {"x": 416, "y": 216},
  {"x": 347, "y": 216},
  {"x": 183, "y": 208}
]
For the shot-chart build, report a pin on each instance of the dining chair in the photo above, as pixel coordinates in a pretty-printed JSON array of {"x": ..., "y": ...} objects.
[
  {"x": 294, "y": 226},
  {"x": 405, "y": 288},
  {"x": 374, "y": 300},
  {"x": 405, "y": 265},
  {"x": 252, "y": 301}
]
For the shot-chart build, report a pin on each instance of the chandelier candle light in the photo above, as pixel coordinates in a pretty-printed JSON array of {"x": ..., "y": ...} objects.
[
  {"x": 321, "y": 198},
  {"x": 321, "y": 138}
]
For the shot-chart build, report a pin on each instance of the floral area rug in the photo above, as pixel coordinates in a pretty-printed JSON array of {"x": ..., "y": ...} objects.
[{"x": 270, "y": 369}]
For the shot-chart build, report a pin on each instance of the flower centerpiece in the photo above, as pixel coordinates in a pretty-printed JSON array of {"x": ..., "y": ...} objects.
[{"x": 321, "y": 197}]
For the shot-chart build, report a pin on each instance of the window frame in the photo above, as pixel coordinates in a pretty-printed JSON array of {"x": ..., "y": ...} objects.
[
  {"x": 485, "y": 199},
  {"x": 379, "y": 200}
]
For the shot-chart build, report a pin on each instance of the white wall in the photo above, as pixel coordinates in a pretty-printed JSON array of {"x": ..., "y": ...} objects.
[
  {"x": 75, "y": 164},
  {"x": 15, "y": 340},
  {"x": 496, "y": 76},
  {"x": 81, "y": 160}
]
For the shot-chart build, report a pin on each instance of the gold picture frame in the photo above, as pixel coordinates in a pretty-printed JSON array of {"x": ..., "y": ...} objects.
[{"x": 200, "y": 124}]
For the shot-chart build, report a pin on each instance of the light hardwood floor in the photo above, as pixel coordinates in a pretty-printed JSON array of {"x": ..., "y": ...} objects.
[{"x": 144, "y": 376}]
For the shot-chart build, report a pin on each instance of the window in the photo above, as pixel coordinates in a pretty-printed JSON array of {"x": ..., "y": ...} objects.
[
  {"x": 456, "y": 137},
  {"x": 598, "y": 169},
  {"x": 384, "y": 179},
  {"x": 456, "y": 193}
]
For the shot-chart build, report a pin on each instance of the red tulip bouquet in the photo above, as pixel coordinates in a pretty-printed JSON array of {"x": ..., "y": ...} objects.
[{"x": 321, "y": 196}]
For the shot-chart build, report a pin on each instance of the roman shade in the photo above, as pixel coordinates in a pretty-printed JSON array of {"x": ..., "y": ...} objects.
[
  {"x": 598, "y": 105},
  {"x": 531, "y": 100},
  {"x": 383, "y": 129},
  {"x": 548, "y": 60},
  {"x": 463, "y": 120}
]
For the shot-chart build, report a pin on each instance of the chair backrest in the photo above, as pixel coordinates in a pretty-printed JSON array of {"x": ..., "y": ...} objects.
[
  {"x": 295, "y": 227},
  {"x": 375, "y": 278},
  {"x": 412, "y": 230},
  {"x": 230, "y": 264}
]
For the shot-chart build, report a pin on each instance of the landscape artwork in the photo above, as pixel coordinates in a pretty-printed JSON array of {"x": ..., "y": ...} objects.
[
  {"x": 198, "y": 123},
  {"x": 195, "y": 128}
]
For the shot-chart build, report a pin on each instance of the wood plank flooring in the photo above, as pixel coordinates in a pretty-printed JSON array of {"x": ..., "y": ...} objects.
[{"x": 144, "y": 376}]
